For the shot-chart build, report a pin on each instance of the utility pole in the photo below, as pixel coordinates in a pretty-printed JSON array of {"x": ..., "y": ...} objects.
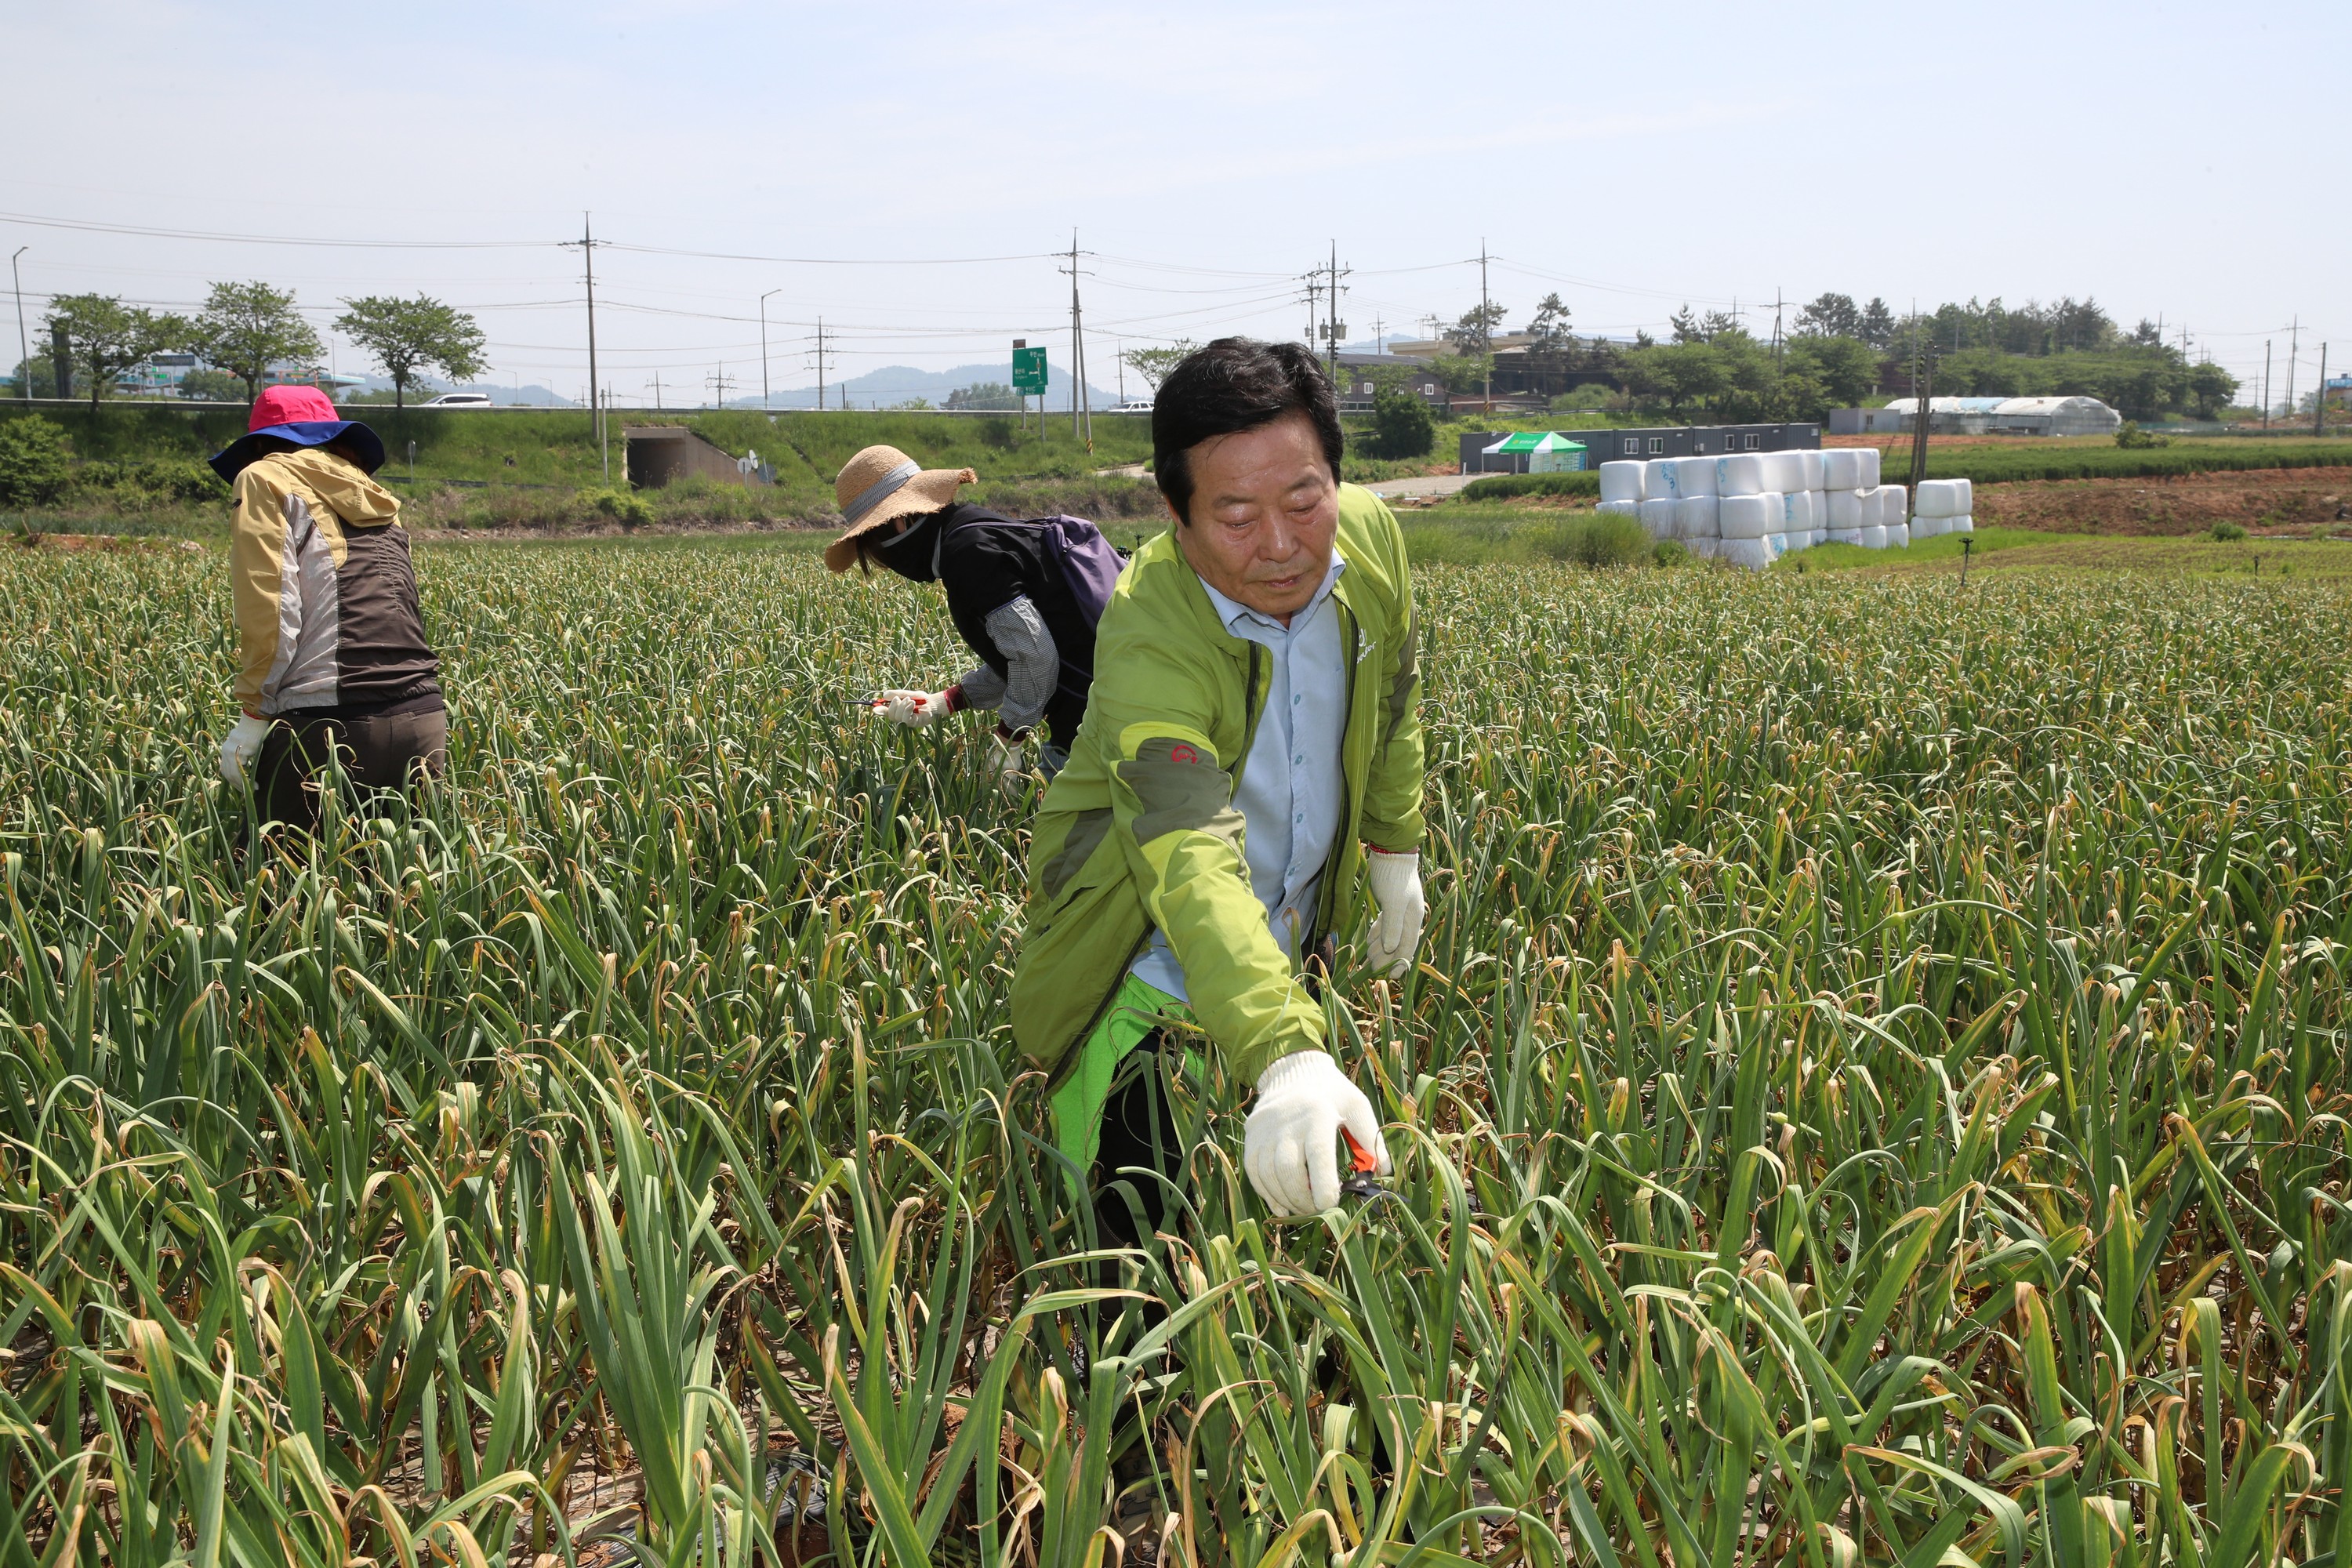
[
  {"x": 1331, "y": 337},
  {"x": 1922, "y": 376},
  {"x": 587, "y": 244},
  {"x": 720, "y": 382},
  {"x": 23, "y": 349},
  {"x": 763, "y": 348},
  {"x": 2294, "y": 330},
  {"x": 1776, "y": 334},
  {"x": 1079, "y": 411},
  {"x": 820, "y": 364},
  {"x": 2266, "y": 384},
  {"x": 657, "y": 403},
  {"x": 1314, "y": 300},
  {"x": 2319, "y": 403},
  {"x": 1485, "y": 336}
]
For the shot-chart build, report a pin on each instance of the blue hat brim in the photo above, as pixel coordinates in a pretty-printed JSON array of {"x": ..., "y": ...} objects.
[{"x": 361, "y": 442}]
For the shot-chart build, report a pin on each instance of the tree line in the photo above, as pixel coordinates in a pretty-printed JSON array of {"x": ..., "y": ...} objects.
[
  {"x": 244, "y": 330},
  {"x": 1838, "y": 351}
]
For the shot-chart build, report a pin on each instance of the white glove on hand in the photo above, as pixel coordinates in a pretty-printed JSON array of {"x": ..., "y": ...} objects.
[
  {"x": 1290, "y": 1147},
  {"x": 1007, "y": 759},
  {"x": 916, "y": 708},
  {"x": 1396, "y": 930},
  {"x": 240, "y": 746}
]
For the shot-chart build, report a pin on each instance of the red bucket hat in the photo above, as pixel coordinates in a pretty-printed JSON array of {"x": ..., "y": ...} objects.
[
  {"x": 303, "y": 416},
  {"x": 289, "y": 406}
]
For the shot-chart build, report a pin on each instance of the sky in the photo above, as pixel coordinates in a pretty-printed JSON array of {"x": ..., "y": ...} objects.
[{"x": 904, "y": 172}]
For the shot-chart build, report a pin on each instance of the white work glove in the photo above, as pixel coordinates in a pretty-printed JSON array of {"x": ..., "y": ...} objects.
[
  {"x": 1395, "y": 934},
  {"x": 1006, "y": 760},
  {"x": 917, "y": 708},
  {"x": 1290, "y": 1147},
  {"x": 240, "y": 746}
]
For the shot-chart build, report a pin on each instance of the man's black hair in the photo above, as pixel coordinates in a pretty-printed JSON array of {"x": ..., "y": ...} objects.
[{"x": 1232, "y": 385}]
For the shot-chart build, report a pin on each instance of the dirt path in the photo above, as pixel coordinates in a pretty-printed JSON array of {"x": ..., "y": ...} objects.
[{"x": 2260, "y": 501}]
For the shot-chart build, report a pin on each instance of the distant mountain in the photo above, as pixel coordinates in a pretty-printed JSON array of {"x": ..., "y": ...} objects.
[
  {"x": 533, "y": 397},
  {"x": 898, "y": 382}
]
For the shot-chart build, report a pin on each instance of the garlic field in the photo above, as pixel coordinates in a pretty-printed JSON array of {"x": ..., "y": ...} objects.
[{"x": 1876, "y": 1091}]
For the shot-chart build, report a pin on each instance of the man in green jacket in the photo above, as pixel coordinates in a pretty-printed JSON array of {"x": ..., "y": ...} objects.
[{"x": 1250, "y": 744}]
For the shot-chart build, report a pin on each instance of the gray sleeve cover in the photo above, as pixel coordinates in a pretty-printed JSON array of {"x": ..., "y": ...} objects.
[
  {"x": 982, "y": 687},
  {"x": 1034, "y": 664}
]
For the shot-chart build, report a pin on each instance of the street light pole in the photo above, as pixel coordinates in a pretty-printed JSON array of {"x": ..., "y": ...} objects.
[
  {"x": 763, "y": 347},
  {"x": 24, "y": 346}
]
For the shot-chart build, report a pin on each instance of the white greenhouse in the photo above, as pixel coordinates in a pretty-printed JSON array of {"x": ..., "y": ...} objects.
[{"x": 2002, "y": 416}]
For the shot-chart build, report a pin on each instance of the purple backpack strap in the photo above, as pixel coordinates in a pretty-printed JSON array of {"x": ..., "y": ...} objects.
[{"x": 1088, "y": 562}]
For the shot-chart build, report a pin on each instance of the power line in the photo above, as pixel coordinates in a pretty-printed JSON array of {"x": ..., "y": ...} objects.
[
  {"x": 146, "y": 232},
  {"x": 836, "y": 260}
]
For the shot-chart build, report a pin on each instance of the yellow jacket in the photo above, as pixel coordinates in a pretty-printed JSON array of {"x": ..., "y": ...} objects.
[{"x": 325, "y": 592}]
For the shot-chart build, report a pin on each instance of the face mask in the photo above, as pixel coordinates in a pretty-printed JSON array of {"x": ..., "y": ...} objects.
[{"x": 914, "y": 554}]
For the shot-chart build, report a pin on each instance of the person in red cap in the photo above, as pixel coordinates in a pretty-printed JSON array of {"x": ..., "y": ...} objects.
[{"x": 332, "y": 656}]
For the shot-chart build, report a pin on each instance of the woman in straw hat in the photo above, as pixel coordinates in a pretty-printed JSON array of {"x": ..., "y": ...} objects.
[{"x": 1024, "y": 596}]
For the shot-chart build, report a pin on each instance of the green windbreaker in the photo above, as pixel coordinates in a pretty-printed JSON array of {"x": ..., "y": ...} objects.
[{"x": 1140, "y": 830}]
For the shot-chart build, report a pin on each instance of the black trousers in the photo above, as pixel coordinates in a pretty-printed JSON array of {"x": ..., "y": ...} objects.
[
  {"x": 1137, "y": 1131},
  {"x": 392, "y": 752}
]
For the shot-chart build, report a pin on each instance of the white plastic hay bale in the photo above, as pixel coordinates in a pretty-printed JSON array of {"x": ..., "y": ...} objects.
[
  {"x": 1739, "y": 474},
  {"x": 1943, "y": 497},
  {"x": 1700, "y": 517},
  {"x": 1782, "y": 473},
  {"x": 1893, "y": 504},
  {"x": 1899, "y": 537},
  {"x": 1928, "y": 527},
  {"x": 1810, "y": 507},
  {"x": 1658, "y": 516},
  {"x": 1869, "y": 476},
  {"x": 1814, "y": 463},
  {"x": 1749, "y": 517},
  {"x": 1661, "y": 476},
  {"x": 1873, "y": 538},
  {"x": 1845, "y": 536},
  {"x": 1779, "y": 543},
  {"x": 1621, "y": 481},
  {"x": 1842, "y": 468},
  {"x": 1749, "y": 555},
  {"x": 1967, "y": 493},
  {"x": 1620, "y": 508},
  {"x": 1820, "y": 536},
  {"x": 1843, "y": 510},
  {"x": 1697, "y": 476},
  {"x": 1705, "y": 549},
  {"x": 1964, "y": 523}
]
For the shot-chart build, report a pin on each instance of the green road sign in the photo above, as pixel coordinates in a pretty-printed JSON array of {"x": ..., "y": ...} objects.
[{"x": 1029, "y": 371}]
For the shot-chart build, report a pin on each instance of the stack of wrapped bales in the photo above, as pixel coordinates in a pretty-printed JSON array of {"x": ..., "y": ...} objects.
[
  {"x": 1752, "y": 508},
  {"x": 1946, "y": 505}
]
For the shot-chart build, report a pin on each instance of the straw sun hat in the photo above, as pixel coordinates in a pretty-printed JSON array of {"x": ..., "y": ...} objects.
[{"x": 881, "y": 485}]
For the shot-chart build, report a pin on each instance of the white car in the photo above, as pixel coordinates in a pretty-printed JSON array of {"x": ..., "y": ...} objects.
[
  {"x": 1139, "y": 407},
  {"x": 458, "y": 400}
]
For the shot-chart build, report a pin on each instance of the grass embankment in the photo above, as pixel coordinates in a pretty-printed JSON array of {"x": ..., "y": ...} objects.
[
  {"x": 541, "y": 468},
  {"x": 1874, "y": 1089}
]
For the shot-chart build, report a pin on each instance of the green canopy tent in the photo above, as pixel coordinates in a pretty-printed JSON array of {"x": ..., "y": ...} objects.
[{"x": 1547, "y": 451}]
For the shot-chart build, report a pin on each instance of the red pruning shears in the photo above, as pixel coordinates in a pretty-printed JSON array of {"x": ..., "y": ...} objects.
[{"x": 1360, "y": 1183}]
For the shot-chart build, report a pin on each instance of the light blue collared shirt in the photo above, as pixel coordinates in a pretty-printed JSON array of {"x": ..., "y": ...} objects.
[{"x": 1292, "y": 782}]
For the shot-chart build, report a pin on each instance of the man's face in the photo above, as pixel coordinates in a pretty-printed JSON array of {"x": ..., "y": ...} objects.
[{"x": 1266, "y": 508}]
